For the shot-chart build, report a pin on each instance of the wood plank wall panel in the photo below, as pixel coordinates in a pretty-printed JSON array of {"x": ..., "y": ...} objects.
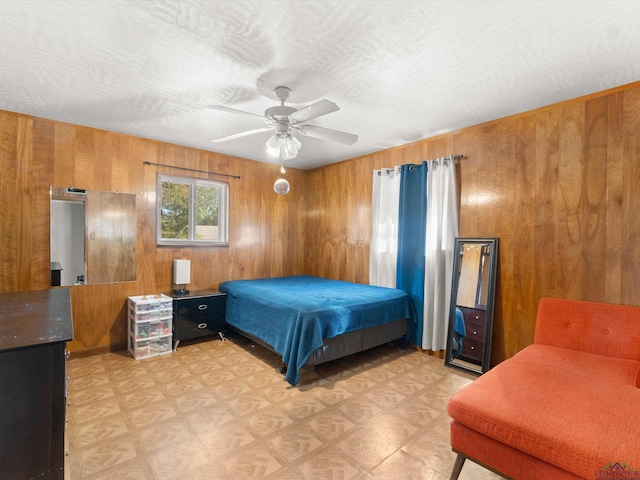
[
  {"x": 559, "y": 186},
  {"x": 595, "y": 206},
  {"x": 265, "y": 229},
  {"x": 8, "y": 201},
  {"x": 631, "y": 169},
  {"x": 614, "y": 199},
  {"x": 27, "y": 236}
]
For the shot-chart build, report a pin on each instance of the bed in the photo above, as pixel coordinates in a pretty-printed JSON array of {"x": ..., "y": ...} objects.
[{"x": 311, "y": 320}]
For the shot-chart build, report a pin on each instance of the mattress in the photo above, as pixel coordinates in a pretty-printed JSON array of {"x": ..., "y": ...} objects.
[{"x": 296, "y": 315}]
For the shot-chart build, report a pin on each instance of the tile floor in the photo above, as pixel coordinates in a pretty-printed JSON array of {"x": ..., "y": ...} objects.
[{"x": 222, "y": 411}]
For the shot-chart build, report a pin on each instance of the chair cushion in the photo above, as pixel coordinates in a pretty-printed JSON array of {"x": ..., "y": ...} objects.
[
  {"x": 592, "y": 327},
  {"x": 578, "y": 411}
]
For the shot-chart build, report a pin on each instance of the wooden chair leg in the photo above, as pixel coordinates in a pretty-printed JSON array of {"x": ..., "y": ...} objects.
[{"x": 457, "y": 467}]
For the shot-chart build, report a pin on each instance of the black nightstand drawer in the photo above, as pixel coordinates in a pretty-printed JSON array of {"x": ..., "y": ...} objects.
[{"x": 198, "y": 314}]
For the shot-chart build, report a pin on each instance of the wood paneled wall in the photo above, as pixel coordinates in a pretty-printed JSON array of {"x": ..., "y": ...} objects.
[
  {"x": 559, "y": 186},
  {"x": 266, "y": 237}
]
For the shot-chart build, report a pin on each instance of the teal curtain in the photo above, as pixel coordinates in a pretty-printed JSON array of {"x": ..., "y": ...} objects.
[{"x": 412, "y": 222}]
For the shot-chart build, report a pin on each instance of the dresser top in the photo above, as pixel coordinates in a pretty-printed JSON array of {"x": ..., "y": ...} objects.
[
  {"x": 35, "y": 318},
  {"x": 197, "y": 294}
]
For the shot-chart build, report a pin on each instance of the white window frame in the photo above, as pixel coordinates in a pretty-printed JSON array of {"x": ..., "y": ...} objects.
[{"x": 191, "y": 241}]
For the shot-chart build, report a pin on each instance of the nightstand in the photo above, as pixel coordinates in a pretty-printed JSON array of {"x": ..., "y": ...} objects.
[{"x": 197, "y": 314}]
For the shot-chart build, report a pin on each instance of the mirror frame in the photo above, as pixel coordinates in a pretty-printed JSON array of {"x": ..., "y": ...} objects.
[
  {"x": 491, "y": 264},
  {"x": 105, "y": 220}
]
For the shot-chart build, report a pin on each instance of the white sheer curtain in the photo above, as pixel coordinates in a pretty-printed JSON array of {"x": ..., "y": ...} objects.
[
  {"x": 442, "y": 228},
  {"x": 384, "y": 235}
]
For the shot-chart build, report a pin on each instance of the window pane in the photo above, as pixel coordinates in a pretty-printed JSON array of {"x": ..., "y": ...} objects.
[
  {"x": 174, "y": 211},
  {"x": 192, "y": 211},
  {"x": 207, "y": 208}
]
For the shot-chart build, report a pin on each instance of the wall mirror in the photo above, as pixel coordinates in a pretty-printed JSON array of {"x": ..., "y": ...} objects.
[
  {"x": 472, "y": 299},
  {"x": 93, "y": 236}
]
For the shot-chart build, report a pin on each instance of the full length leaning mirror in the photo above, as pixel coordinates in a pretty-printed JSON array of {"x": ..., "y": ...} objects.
[
  {"x": 472, "y": 299},
  {"x": 93, "y": 236}
]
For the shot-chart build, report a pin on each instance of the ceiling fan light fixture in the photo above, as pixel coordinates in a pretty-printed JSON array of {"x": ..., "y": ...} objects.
[{"x": 283, "y": 145}]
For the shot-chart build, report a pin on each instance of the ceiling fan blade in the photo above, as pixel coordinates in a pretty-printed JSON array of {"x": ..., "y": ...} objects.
[
  {"x": 222, "y": 108},
  {"x": 328, "y": 134},
  {"x": 321, "y": 107},
  {"x": 242, "y": 134}
]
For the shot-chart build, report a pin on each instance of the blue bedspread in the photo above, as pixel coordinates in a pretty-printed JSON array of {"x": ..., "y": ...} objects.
[
  {"x": 459, "y": 332},
  {"x": 294, "y": 314}
]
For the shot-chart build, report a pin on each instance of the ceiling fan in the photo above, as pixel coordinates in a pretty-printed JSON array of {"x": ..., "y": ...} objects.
[{"x": 284, "y": 120}]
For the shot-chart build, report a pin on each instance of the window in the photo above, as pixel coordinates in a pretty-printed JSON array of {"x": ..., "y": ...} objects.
[{"x": 191, "y": 211}]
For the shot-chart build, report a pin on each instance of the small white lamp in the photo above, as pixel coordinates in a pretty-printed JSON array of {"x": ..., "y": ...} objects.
[{"x": 181, "y": 275}]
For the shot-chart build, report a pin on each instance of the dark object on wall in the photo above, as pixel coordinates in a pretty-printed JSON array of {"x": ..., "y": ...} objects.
[
  {"x": 56, "y": 268},
  {"x": 34, "y": 329},
  {"x": 472, "y": 299}
]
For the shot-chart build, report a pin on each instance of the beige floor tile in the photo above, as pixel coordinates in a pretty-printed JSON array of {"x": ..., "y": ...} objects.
[
  {"x": 90, "y": 433},
  {"x": 94, "y": 411},
  {"x": 210, "y": 471},
  {"x": 268, "y": 421},
  {"x": 227, "y": 440},
  {"x": 91, "y": 394},
  {"x": 304, "y": 406},
  {"x": 231, "y": 388},
  {"x": 295, "y": 443},
  {"x": 249, "y": 403},
  {"x": 133, "y": 383},
  {"x": 217, "y": 376},
  {"x": 143, "y": 396},
  {"x": 195, "y": 400},
  {"x": 360, "y": 409},
  {"x": 331, "y": 425},
  {"x": 146, "y": 414},
  {"x": 391, "y": 427},
  {"x": 188, "y": 384},
  {"x": 88, "y": 382},
  {"x": 332, "y": 394},
  {"x": 432, "y": 447},
  {"x": 402, "y": 465},
  {"x": 385, "y": 396},
  {"x": 222, "y": 411},
  {"x": 89, "y": 366},
  {"x": 174, "y": 374},
  {"x": 208, "y": 419},
  {"x": 99, "y": 458},
  {"x": 366, "y": 449},
  {"x": 258, "y": 461},
  {"x": 179, "y": 459},
  {"x": 164, "y": 434},
  {"x": 418, "y": 411},
  {"x": 331, "y": 463},
  {"x": 131, "y": 470}
]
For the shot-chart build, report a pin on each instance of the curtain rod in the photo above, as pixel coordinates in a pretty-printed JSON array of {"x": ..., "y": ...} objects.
[
  {"x": 191, "y": 169},
  {"x": 454, "y": 157}
]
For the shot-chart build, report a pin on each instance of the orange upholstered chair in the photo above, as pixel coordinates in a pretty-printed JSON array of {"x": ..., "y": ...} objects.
[{"x": 566, "y": 407}]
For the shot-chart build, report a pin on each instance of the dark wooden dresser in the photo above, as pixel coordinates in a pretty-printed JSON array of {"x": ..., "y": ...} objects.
[
  {"x": 197, "y": 314},
  {"x": 34, "y": 330},
  {"x": 473, "y": 344}
]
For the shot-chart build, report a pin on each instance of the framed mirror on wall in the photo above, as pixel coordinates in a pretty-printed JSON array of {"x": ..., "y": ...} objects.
[
  {"x": 472, "y": 304},
  {"x": 93, "y": 237}
]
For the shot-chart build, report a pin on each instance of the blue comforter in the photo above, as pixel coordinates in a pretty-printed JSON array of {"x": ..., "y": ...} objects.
[{"x": 295, "y": 314}]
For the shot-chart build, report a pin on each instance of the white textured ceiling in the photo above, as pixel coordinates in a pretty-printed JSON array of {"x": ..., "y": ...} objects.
[{"x": 399, "y": 70}]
